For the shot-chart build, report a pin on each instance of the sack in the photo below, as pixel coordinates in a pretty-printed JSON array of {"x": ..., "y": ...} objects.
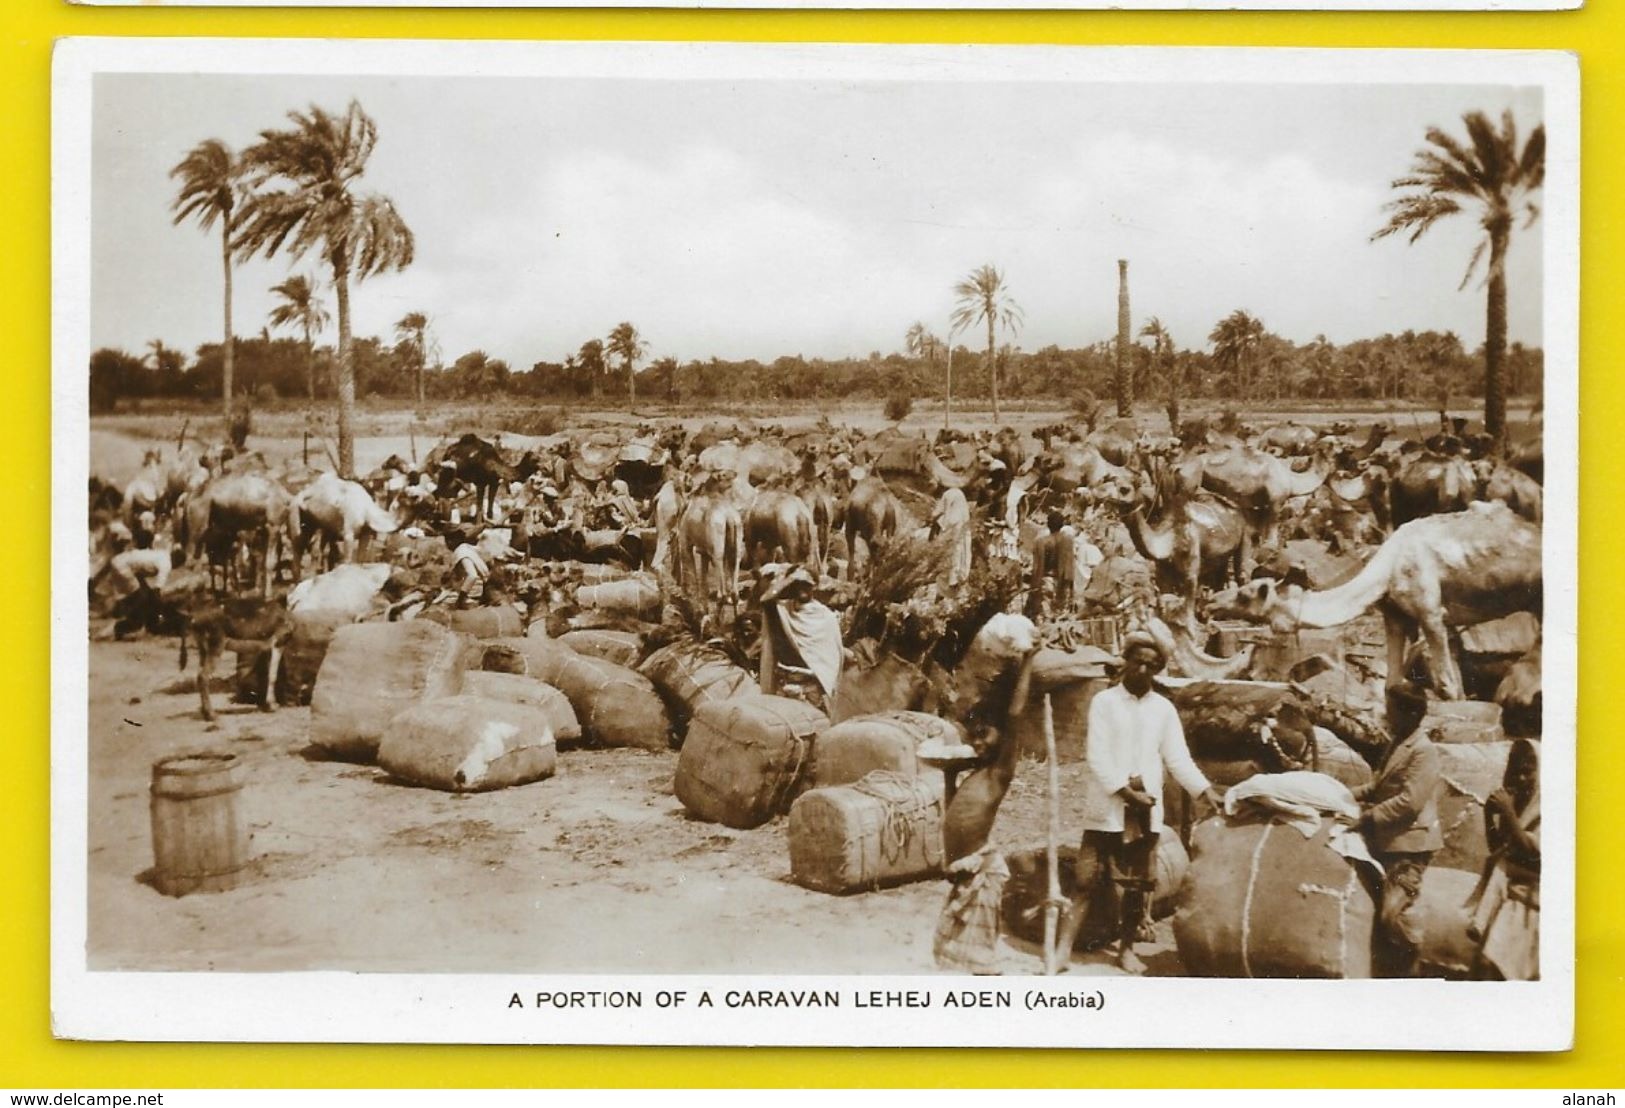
[
  {"x": 497, "y": 622},
  {"x": 528, "y": 691},
  {"x": 304, "y": 652},
  {"x": 1443, "y": 915},
  {"x": 1261, "y": 900},
  {"x": 616, "y": 706},
  {"x": 469, "y": 744},
  {"x": 687, "y": 676},
  {"x": 373, "y": 671},
  {"x": 745, "y": 759},
  {"x": 1470, "y": 772},
  {"x": 1451, "y": 722},
  {"x": 1028, "y": 888},
  {"x": 852, "y": 749},
  {"x": 347, "y": 590},
  {"x": 1070, "y": 703},
  {"x": 632, "y": 596},
  {"x": 620, "y": 647},
  {"x": 884, "y": 830},
  {"x": 1338, "y": 759}
]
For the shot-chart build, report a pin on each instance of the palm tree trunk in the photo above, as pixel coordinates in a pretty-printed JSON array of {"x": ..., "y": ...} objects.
[
  {"x": 422, "y": 363},
  {"x": 631, "y": 387},
  {"x": 226, "y": 361},
  {"x": 310, "y": 364},
  {"x": 992, "y": 366},
  {"x": 948, "y": 390},
  {"x": 346, "y": 390},
  {"x": 1495, "y": 344},
  {"x": 1125, "y": 385}
]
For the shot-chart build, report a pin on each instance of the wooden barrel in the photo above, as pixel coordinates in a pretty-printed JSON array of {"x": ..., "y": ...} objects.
[{"x": 199, "y": 835}]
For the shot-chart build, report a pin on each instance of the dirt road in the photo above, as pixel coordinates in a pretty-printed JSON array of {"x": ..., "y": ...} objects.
[{"x": 597, "y": 869}]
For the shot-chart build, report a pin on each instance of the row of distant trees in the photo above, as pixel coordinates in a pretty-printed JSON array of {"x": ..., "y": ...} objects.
[{"x": 1410, "y": 367}]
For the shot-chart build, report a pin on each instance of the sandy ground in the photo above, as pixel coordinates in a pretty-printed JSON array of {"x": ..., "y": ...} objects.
[{"x": 597, "y": 869}]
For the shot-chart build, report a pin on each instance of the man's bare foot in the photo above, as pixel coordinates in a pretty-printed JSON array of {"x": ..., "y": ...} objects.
[{"x": 1129, "y": 962}]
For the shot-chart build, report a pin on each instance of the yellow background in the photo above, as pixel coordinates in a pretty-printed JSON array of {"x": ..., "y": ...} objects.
[{"x": 30, "y": 1058}]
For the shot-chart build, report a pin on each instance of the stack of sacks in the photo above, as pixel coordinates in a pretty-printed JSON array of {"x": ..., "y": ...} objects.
[
  {"x": 745, "y": 760},
  {"x": 373, "y": 671}
]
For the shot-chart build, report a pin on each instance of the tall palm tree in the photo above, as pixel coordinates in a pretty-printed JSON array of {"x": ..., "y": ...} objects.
[
  {"x": 1496, "y": 179},
  {"x": 210, "y": 191},
  {"x": 304, "y": 195},
  {"x": 1162, "y": 352},
  {"x": 413, "y": 329},
  {"x": 1235, "y": 338},
  {"x": 626, "y": 344},
  {"x": 163, "y": 357},
  {"x": 300, "y": 308},
  {"x": 984, "y": 297}
]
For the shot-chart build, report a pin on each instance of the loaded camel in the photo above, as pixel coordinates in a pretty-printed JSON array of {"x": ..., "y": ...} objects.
[
  {"x": 1259, "y": 484},
  {"x": 709, "y": 540},
  {"x": 239, "y": 504},
  {"x": 341, "y": 515},
  {"x": 1457, "y": 569}
]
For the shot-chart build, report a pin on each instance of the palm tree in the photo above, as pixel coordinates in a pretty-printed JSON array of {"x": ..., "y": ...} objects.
[
  {"x": 210, "y": 177},
  {"x": 1497, "y": 180},
  {"x": 983, "y": 296},
  {"x": 921, "y": 343},
  {"x": 625, "y": 343},
  {"x": 413, "y": 329},
  {"x": 163, "y": 357},
  {"x": 1162, "y": 351},
  {"x": 300, "y": 308},
  {"x": 1234, "y": 339},
  {"x": 304, "y": 195}
]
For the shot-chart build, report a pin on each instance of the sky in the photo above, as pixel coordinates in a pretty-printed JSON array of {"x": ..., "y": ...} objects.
[{"x": 762, "y": 218}]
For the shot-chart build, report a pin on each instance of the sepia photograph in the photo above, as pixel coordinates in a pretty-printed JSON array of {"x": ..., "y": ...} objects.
[{"x": 837, "y": 531}]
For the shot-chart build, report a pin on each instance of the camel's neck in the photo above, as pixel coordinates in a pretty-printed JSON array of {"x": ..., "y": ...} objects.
[{"x": 1348, "y": 601}]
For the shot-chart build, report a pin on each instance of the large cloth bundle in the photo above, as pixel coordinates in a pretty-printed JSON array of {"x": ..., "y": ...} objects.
[
  {"x": 617, "y": 706},
  {"x": 687, "y": 676},
  {"x": 1028, "y": 887},
  {"x": 620, "y": 647},
  {"x": 373, "y": 671},
  {"x": 528, "y": 691},
  {"x": 1463, "y": 721},
  {"x": 469, "y": 744},
  {"x": 347, "y": 590},
  {"x": 1070, "y": 703},
  {"x": 1261, "y": 900},
  {"x": 745, "y": 759},
  {"x": 1222, "y": 718},
  {"x": 885, "y": 829},
  {"x": 633, "y": 596},
  {"x": 1444, "y": 914},
  {"x": 1471, "y": 772},
  {"x": 854, "y": 748},
  {"x": 1336, "y": 758},
  {"x": 498, "y": 621},
  {"x": 304, "y": 652}
]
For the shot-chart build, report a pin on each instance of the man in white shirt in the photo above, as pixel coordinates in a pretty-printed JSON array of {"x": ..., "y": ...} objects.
[{"x": 1134, "y": 734}]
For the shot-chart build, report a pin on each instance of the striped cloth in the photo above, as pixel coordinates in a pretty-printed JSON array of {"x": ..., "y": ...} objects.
[{"x": 967, "y": 938}]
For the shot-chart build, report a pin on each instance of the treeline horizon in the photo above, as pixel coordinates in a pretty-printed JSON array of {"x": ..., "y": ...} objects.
[{"x": 1425, "y": 367}]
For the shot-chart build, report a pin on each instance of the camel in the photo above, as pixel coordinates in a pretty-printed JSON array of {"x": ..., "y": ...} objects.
[
  {"x": 1426, "y": 483},
  {"x": 241, "y": 625},
  {"x": 1289, "y": 438},
  {"x": 710, "y": 539},
  {"x": 1512, "y": 487},
  {"x": 754, "y": 463},
  {"x": 668, "y": 510},
  {"x": 1259, "y": 484},
  {"x": 1455, "y": 569},
  {"x": 1118, "y": 442},
  {"x": 480, "y": 465},
  {"x": 1195, "y": 541},
  {"x": 874, "y": 514},
  {"x": 145, "y": 491},
  {"x": 239, "y": 503},
  {"x": 340, "y": 512},
  {"x": 811, "y": 486},
  {"x": 779, "y": 528}
]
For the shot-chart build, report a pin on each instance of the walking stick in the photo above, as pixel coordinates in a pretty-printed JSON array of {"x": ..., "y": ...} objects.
[{"x": 1052, "y": 906}]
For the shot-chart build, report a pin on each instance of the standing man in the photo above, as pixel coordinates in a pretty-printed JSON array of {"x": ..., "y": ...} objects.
[
  {"x": 1134, "y": 735},
  {"x": 1399, "y": 817},
  {"x": 1054, "y": 559}
]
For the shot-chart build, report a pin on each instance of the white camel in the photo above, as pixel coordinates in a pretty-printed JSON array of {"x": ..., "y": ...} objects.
[{"x": 1455, "y": 569}]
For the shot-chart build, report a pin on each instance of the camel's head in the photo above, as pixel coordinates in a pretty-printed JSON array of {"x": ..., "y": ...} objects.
[{"x": 1261, "y": 600}]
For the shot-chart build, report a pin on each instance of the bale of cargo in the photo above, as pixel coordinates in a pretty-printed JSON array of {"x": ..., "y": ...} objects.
[
  {"x": 345, "y": 590},
  {"x": 1443, "y": 914},
  {"x": 891, "y": 684},
  {"x": 887, "y": 741},
  {"x": 617, "y": 706},
  {"x": 1222, "y": 719},
  {"x": 528, "y": 691},
  {"x": 1261, "y": 900},
  {"x": 1028, "y": 888},
  {"x": 1070, "y": 703},
  {"x": 885, "y": 829},
  {"x": 304, "y": 652},
  {"x": 687, "y": 675},
  {"x": 1338, "y": 759},
  {"x": 469, "y": 744},
  {"x": 631, "y": 596},
  {"x": 620, "y": 647},
  {"x": 1470, "y": 772},
  {"x": 1463, "y": 721},
  {"x": 745, "y": 760},
  {"x": 374, "y": 671},
  {"x": 497, "y": 621}
]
